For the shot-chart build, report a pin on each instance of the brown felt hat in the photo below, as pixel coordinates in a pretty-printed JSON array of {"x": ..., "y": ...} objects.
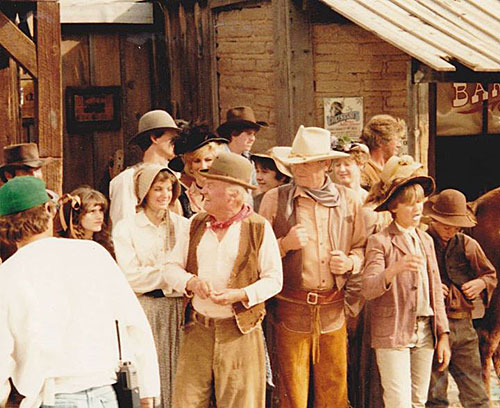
[
  {"x": 21, "y": 155},
  {"x": 450, "y": 207},
  {"x": 238, "y": 118},
  {"x": 144, "y": 177},
  {"x": 153, "y": 120},
  {"x": 231, "y": 168}
]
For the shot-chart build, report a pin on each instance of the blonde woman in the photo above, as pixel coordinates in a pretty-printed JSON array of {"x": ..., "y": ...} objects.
[{"x": 143, "y": 246}]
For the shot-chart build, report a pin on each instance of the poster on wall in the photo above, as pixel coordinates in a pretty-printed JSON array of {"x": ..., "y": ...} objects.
[{"x": 344, "y": 117}]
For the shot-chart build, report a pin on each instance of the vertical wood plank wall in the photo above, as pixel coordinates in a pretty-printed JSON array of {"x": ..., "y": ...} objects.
[{"x": 104, "y": 58}]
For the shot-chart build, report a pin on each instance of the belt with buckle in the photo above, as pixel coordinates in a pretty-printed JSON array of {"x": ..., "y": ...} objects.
[
  {"x": 205, "y": 320},
  {"x": 311, "y": 297},
  {"x": 452, "y": 314}
]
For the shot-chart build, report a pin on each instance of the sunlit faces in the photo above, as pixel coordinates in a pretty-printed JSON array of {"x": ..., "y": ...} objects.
[
  {"x": 201, "y": 163},
  {"x": 408, "y": 214},
  {"x": 216, "y": 196},
  {"x": 93, "y": 219},
  {"x": 346, "y": 171},
  {"x": 312, "y": 174},
  {"x": 445, "y": 231},
  {"x": 165, "y": 145},
  {"x": 159, "y": 196},
  {"x": 266, "y": 178},
  {"x": 242, "y": 142}
]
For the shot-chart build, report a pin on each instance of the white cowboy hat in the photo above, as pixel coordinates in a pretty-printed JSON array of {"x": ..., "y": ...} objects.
[{"x": 311, "y": 144}]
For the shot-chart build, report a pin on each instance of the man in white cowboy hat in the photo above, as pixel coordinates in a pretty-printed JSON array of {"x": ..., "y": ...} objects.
[
  {"x": 227, "y": 267},
  {"x": 321, "y": 236},
  {"x": 155, "y": 136},
  {"x": 468, "y": 280}
]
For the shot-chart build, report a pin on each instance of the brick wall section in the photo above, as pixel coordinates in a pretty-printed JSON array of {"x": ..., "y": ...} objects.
[
  {"x": 350, "y": 61},
  {"x": 245, "y": 65}
]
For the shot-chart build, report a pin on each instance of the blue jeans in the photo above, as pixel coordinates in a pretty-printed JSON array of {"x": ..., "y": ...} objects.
[{"x": 99, "y": 397}]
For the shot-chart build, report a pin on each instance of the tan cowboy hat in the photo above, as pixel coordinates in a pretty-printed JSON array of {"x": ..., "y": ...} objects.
[
  {"x": 239, "y": 117},
  {"x": 397, "y": 173},
  {"x": 231, "y": 168},
  {"x": 21, "y": 155},
  {"x": 311, "y": 144},
  {"x": 144, "y": 177},
  {"x": 450, "y": 207},
  {"x": 269, "y": 154},
  {"x": 153, "y": 120}
]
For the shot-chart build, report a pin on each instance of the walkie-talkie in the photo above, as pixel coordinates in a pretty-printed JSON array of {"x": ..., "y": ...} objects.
[{"x": 126, "y": 387}]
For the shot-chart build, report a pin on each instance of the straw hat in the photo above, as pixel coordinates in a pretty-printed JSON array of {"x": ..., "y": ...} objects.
[
  {"x": 269, "y": 154},
  {"x": 239, "y": 117},
  {"x": 450, "y": 207},
  {"x": 21, "y": 155},
  {"x": 144, "y": 176},
  {"x": 153, "y": 120},
  {"x": 231, "y": 168},
  {"x": 311, "y": 144},
  {"x": 397, "y": 173}
]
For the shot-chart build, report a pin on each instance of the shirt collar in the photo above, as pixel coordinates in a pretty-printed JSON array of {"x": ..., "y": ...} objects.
[
  {"x": 142, "y": 220},
  {"x": 410, "y": 231}
]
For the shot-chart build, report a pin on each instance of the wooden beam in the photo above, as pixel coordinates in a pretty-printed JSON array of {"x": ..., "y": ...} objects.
[
  {"x": 49, "y": 89},
  {"x": 294, "y": 69},
  {"x": 18, "y": 45},
  {"x": 213, "y": 4},
  {"x": 422, "y": 73},
  {"x": 10, "y": 118}
]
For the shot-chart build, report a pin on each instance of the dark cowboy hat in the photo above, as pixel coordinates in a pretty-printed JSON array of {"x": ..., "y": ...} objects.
[
  {"x": 450, "y": 207},
  {"x": 191, "y": 139},
  {"x": 153, "y": 120},
  {"x": 231, "y": 168},
  {"x": 241, "y": 117},
  {"x": 21, "y": 155},
  {"x": 397, "y": 184}
]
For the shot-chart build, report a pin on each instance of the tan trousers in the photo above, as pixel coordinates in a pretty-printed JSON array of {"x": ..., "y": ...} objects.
[
  {"x": 295, "y": 368},
  {"x": 217, "y": 358}
]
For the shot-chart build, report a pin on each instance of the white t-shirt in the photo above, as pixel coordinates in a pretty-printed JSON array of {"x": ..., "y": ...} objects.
[{"x": 59, "y": 299}]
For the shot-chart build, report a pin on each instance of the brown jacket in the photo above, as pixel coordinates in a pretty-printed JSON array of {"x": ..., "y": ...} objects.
[{"x": 393, "y": 307}]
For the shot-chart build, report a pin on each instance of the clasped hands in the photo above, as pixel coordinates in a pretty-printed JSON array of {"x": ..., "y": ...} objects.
[
  {"x": 224, "y": 297},
  {"x": 297, "y": 239}
]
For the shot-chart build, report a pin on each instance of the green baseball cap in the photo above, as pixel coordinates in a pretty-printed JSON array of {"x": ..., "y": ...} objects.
[{"x": 21, "y": 194}]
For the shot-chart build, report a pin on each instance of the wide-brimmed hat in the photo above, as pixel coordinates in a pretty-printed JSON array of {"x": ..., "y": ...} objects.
[
  {"x": 269, "y": 154},
  {"x": 21, "y": 194},
  {"x": 397, "y": 173},
  {"x": 21, "y": 155},
  {"x": 311, "y": 144},
  {"x": 153, "y": 120},
  {"x": 191, "y": 139},
  {"x": 240, "y": 117},
  {"x": 144, "y": 176},
  {"x": 450, "y": 207},
  {"x": 231, "y": 168}
]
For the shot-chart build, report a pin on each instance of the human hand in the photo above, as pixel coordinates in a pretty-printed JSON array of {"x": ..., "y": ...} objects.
[
  {"x": 147, "y": 402},
  {"x": 443, "y": 351},
  {"x": 199, "y": 287},
  {"x": 445, "y": 290},
  {"x": 408, "y": 263},
  {"x": 473, "y": 288},
  {"x": 340, "y": 263},
  {"x": 296, "y": 238},
  {"x": 228, "y": 296}
]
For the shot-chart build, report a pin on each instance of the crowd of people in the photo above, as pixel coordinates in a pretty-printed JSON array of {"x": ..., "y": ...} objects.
[{"x": 322, "y": 274}]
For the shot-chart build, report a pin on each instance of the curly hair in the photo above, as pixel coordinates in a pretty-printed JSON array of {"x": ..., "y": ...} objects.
[
  {"x": 24, "y": 224},
  {"x": 380, "y": 130}
]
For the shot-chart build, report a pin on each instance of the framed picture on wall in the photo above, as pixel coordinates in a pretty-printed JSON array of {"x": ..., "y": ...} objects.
[{"x": 92, "y": 108}]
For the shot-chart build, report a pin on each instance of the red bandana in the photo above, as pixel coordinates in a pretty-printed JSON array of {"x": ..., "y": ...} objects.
[{"x": 245, "y": 212}]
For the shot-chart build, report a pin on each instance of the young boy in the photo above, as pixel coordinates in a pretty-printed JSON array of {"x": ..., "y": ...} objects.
[
  {"x": 401, "y": 279},
  {"x": 468, "y": 280}
]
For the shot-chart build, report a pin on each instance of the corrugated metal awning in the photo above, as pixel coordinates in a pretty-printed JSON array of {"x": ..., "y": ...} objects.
[{"x": 436, "y": 32}]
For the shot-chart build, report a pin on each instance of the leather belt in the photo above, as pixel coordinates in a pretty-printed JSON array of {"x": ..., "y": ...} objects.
[
  {"x": 205, "y": 320},
  {"x": 452, "y": 314},
  {"x": 157, "y": 293},
  {"x": 311, "y": 297}
]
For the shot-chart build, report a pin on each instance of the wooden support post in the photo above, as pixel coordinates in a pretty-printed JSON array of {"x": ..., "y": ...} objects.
[
  {"x": 294, "y": 68},
  {"x": 10, "y": 119},
  {"x": 48, "y": 105}
]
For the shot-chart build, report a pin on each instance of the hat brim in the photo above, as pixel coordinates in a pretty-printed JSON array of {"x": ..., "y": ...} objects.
[
  {"x": 139, "y": 137},
  {"x": 233, "y": 124},
  {"x": 282, "y": 168},
  {"x": 426, "y": 182},
  {"x": 34, "y": 164},
  {"x": 227, "y": 179},
  {"x": 462, "y": 221},
  {"x": 285, "y": 156}
]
